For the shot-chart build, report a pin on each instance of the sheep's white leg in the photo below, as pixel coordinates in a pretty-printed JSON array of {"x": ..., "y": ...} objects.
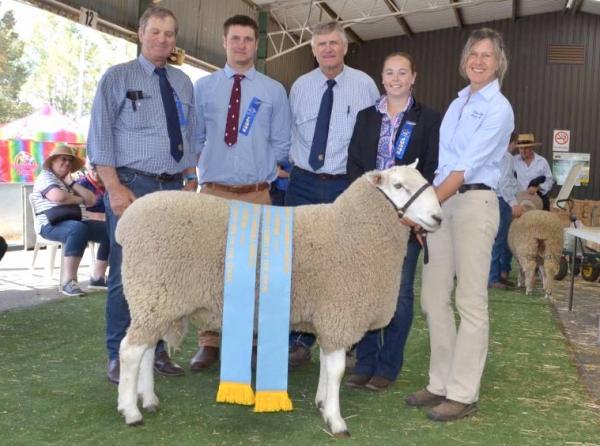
[
  {"x": 521, "y": 279},
  {"x": 146, "y": 381},
  {"x": 322, "y": 389},
  {"x": 543, "y": 274},
  {"x": 130, "y": 357},
  {"x": 335, "y": 364}
]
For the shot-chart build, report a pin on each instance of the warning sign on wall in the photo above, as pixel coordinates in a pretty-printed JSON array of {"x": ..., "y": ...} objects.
[{"x": 561, "y": 140}]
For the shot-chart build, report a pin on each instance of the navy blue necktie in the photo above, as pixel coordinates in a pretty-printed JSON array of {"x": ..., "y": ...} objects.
[
  {"x": 319, "y": 144},
  {"x": 173, "y": 127}
]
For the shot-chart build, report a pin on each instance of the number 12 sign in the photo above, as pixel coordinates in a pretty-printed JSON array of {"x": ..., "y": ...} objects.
[{"x": 88, "y": 17}]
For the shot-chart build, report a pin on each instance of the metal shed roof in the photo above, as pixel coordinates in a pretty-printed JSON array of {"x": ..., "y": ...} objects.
[
  {"x": 375, "y": 19},
  {"x": 291, "y": 20}
]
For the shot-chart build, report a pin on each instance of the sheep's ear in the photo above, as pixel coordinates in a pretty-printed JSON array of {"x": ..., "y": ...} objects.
[
  {"x": 374, "y": 177},
  {"x": 414, "y": 165}
]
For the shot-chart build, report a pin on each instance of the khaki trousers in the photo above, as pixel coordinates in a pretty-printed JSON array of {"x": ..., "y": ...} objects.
[
  {"x": 211, "y": 338},
  {"x": 461, "y": 247}
]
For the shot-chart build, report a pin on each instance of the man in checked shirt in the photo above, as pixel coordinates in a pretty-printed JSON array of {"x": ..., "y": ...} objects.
[{"x": 140, "y": 142}]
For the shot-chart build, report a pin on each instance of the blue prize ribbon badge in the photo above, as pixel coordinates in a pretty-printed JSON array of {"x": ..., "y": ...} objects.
[
  {"x": 404, "y": 139},
  {"x": 250, "y": 115},
  {"x": 180, "y": 113}
]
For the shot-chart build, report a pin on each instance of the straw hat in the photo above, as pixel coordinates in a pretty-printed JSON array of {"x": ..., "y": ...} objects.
[
  {"x": 530, "y": 202},
  {"x": 527, "y": 140},
  {"x": 64, "y": 150}
]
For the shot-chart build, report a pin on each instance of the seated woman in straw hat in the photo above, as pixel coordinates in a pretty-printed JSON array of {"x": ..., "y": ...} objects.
[
  {"x": 532, "y": 170},
  {"x": 53, "y": 191}
]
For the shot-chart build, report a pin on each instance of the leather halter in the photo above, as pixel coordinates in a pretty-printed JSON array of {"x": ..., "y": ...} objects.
[{"x": 401, "y": 211}]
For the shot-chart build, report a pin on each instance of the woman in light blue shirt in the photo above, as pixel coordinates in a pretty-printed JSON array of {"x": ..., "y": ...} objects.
[{"x": 473, "y": 137}]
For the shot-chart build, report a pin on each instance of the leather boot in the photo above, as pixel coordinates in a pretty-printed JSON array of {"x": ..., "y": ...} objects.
[
  {"x": 113, "y": 370},
  {"x": 204, "y": 358},
  {"x": 165, "y": 366}
]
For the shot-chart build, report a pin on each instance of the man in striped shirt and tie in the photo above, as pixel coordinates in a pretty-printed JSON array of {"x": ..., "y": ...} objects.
[{"x": 324, "y": 106}]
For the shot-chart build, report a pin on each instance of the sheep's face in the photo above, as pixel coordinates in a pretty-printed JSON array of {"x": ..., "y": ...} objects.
[{"x": 399, "y": 184}]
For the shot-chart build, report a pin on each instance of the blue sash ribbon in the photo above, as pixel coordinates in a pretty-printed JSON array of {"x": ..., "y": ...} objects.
[
  {"x": 239, "y": 297},
  {"x": 404, "y": 139},
  {"x": 274, "y": 309}
]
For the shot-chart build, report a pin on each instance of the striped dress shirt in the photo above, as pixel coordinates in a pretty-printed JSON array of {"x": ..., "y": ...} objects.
[{"x": 353, "y": 91}]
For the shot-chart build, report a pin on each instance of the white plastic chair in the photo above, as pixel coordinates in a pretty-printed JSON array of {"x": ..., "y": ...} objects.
[{"x": 51, "y": 247}]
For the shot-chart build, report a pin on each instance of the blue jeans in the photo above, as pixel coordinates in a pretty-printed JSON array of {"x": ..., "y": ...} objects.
[
  {"x": 117, "y": 311},
  {"x": 499, "y": 251},
  {"x": 75, "y": 236},
  {"x": 381, "y": 352},
  {"x": 305, "y": 188}
]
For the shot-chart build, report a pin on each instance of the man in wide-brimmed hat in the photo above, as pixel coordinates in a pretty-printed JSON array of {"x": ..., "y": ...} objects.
[{"x": 532, "y": 171}]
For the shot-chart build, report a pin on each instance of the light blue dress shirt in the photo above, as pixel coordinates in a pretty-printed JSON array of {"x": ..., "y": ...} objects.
[
  {"x": 507, "y": 185},
  {"x": 353, "y": 92},
  {"x": 474, "y": 135},
  {"x": 538, "y": 167},
  {"x": 123, "y": 136},
  {"x": 253, "y": 158}
]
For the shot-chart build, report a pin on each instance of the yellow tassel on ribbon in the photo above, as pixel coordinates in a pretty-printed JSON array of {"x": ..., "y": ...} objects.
[
  {"x": 235, "y": 393},
  {"x": 273, "y": 401}
]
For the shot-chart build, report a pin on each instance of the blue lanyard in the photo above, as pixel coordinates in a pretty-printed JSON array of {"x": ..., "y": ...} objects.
[{"x": 404, "y": 139}]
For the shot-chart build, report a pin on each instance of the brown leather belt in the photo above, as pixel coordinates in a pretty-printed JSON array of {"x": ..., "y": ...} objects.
[
  {"x": 475, "y": 186},
  {"x": 322, "y": 176},
  {"x": 237, "y": 189}
]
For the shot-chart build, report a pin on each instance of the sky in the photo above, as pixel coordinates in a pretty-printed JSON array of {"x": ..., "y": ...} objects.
[{"x": 28, "y": 16}]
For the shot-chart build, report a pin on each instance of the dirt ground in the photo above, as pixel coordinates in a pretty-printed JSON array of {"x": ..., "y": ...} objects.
[{"x": 580, "y": 327}]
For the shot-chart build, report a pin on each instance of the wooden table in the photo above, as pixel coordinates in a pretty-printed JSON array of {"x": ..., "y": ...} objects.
[{"x": 580, "y": 234}]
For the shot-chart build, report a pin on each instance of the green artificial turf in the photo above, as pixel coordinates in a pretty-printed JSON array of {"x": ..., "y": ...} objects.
[{"x": 53, "y": 390}]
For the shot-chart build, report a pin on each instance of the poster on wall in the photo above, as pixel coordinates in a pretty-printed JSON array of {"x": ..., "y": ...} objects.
[
  {"x": 561, "y": 140},
  {"x": 563, "y": 162}
]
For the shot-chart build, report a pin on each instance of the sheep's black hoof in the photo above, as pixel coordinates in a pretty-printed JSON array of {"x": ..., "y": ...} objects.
[
  {"x": 137, "y": 423},
  {"x": 151, "y": 409},
  {"x": 342, "y": 434}
]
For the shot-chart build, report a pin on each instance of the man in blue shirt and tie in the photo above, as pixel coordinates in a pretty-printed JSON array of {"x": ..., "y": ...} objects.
[
  {"x": 140, "y": 141},
  {"x": 242, "y": 131},
  {"x": 324, "y": 106}
]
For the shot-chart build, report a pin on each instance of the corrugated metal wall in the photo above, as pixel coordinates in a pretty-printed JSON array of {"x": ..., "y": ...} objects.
[{"x": 544, "y": 96}]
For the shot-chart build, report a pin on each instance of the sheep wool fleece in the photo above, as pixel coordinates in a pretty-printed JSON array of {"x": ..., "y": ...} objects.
[{"x": 347, "y": 259}]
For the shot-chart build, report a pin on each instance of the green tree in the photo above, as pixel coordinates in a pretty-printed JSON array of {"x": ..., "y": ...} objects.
[
  {"x": 57, "y": 73},
  {"x": 13, "y": 71}
]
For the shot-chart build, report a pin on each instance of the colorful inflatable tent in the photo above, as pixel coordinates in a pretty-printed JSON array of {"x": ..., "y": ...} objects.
[{"x": 26, "y": 143}]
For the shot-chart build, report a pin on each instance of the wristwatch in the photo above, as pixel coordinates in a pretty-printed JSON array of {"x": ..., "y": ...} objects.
[{"x": 189, "y": 178}]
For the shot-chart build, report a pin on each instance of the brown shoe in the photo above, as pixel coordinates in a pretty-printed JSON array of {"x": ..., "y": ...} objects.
[
  {"x": 451, "y": 410},
  {"x": 299, "y": 355},
  {"x": 497, "y": 285},
  {"x": 424, "y": 398},
  {"x": 113, "y": 370},
  {"x": 204, "y": 358},
  {"x": 506, "y": 282},
  {"x": 357, "y": 380},
  {"x": 165, "y": 366},
  {"x": 379, "y": 383}
]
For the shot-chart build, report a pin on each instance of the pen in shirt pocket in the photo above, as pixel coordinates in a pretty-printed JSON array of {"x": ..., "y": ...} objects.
[{"x": 348, "y": 111}]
